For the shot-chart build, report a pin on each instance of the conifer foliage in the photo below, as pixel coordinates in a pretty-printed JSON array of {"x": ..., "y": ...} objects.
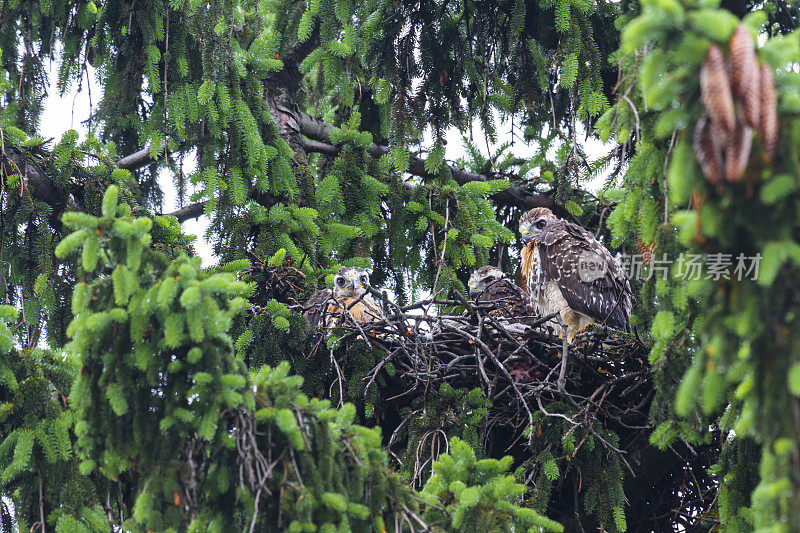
[{"x": 141, "y": 390}]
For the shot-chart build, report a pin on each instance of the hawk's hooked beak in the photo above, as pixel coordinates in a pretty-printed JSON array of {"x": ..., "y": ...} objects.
[
  {"x": 473, "y": 291},
  {"x": 355, "y": 284},
  {"x": 526, "y": 237}
]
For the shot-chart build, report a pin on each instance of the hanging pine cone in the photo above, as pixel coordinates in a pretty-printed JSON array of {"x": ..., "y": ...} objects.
[
  {"x": 768, "y": 125},
  {"x": 745, "y": 74},
  {"x": 737, "y": 153},
  {"x": 645, "y": 251},
  {"x": 736, "y": 105},
  {"x": 715, "y": 89},
  {"x": 709, "y": 143}
]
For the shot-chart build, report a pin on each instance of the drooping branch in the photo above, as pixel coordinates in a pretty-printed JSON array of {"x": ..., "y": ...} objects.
[
  {"x": 32, "y": 165},
  {"x": 142, "y": 158},
  {"x": 319, "y": 131},
  {"x": 316, "y": 129}
]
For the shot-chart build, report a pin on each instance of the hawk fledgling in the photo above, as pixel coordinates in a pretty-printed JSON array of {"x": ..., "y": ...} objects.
[
  {"x": 569, "y": 272},
  {"x": 326, "y": 307},
  {"x": 489, "y": 284}
]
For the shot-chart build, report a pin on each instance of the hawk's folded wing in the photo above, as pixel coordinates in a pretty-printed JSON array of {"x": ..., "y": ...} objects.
[
  {"x": 604, "y": 294},
  {"x": 508, "y": 299},
  {"x": 315, "y": 308}
]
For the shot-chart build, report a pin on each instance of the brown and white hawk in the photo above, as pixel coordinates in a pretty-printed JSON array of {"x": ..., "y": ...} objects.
[
  {"x": 569, "y": 272},
  {"x": 326, "y": 307},
  {"x": 490, "y": 285}
]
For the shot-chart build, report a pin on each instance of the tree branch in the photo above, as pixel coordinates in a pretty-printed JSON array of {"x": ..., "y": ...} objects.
[
  {"x": 198, "y": 208},
  {"x": 319, "y": 131},
  {"x": 40, "y": 186},
  {"x": 136, "y": 160},
  {"x": 188, "y": 212},
  {"x": 43, "y": 189},
  {"x": 316, "y": 129}
]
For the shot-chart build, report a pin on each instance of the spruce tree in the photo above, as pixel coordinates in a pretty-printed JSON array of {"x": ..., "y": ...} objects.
[{"x": 143, "y": 391}]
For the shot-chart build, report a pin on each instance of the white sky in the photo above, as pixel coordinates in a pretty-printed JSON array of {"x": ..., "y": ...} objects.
[
  {"x": 70, "y": 111},
  {"x": 63, "y": 113}
]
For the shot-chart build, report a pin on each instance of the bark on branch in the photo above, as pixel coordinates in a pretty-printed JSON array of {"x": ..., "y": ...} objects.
[
  {"x": 316, "y": 129},
  {"x": 136, "y": 160},
  {"x": 198, "y": 208},
  {"x": 188, "y": 212},
  {"x": 319, "y": 131}
]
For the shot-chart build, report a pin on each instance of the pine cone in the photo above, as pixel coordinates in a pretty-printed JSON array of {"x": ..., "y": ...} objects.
[
  {"x": 737, "y": 153},
  {"x": 745, "y": 74},
  {"x": 709, "y": 144},
  {"x": 768, "y": 125},
  {"x": 645, "y": 251},
  {"x": 715, "y": 89}
]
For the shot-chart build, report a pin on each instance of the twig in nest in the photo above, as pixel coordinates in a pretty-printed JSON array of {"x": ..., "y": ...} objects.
[
  {"x": 562, "y": 375},
  {"x": 505, "y": 372},
  {"x": 374, "y": 372},
  {"x": 467, "y": 305}
]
